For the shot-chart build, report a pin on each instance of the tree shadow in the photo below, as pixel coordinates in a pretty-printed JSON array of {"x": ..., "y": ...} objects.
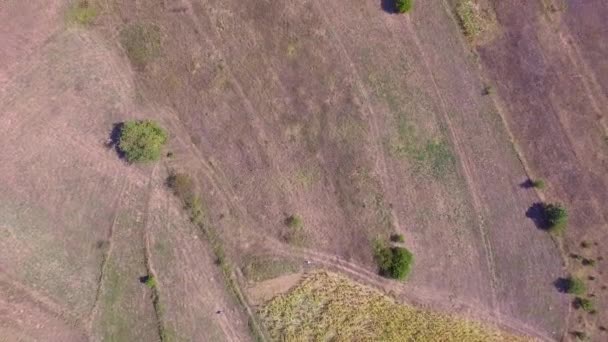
[
  {"x": 144, "y": 279},
  {"x": 527, "y": 184},
  {"x": 562, "y": 284},
  {"x": 537, "y": 214},
  {"x": 114, "y": 138},
  {"x": 389, "y": 6}
]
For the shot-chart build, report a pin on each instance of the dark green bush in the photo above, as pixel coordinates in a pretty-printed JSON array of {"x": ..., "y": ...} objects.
[
  {"x": 403, "y": 6},
  {"x": 393, "y": 262},
  {"x": 556, "y": 216},
  {"x": 142, "y": 141}
]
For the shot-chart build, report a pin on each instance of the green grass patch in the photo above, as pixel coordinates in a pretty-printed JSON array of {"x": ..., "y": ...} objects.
[
  {"x": 142, "y": 43},
  {"x": 81, "y": 12},
  {"x": 329, "y": 307},
  {"x": 585, "y": 304},
  {"x": 260, "y": 268},
  {"x": 433, "y": 157}
]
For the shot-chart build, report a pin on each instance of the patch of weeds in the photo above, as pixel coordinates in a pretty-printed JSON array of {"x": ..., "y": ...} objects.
[
  {"x": 393, "y": 262},
  {"x": 293, "y": 221},
  {"x": 81, "y": 12},
  {"x": 142, "y": 43},
  {"x": 307, "y": 176},
  {"x": 469, "y": 18},
  {"x": 580, "y": 335},
  {"x": 585, "y": 304},
  {"x": 538, "y": 183},
  {"x": 438, "y": 157},
  {"x": 295, "y": 234},
  {"x": 194, "y": 206},
  {"x": 262, "y": 268},
  {"x": 181, "y": 184},
  {"x": 397, "y": 238}
]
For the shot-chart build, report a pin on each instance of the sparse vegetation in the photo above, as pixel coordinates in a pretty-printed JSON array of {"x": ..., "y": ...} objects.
[
  {"x": 575, "y": 286},
  {"x": 295, "y": 233},
  {"x": 556, "y": 217},
  {"x": 403, "y": 6},
  {"x": 471, "y": 19},
  {"x": 326, "y": 304},
  {"x": 585, "y": 304},
  {"x": 142, "y": 141},
  {"x": 142, "y": 43},
  {"x": 181, "y": 184},
  {"x": 81, "y": 12},
  {"x": 262, "y": 268},
  {"x": 293, "y": 221},
  {"x": 397, "y": 238},
  {"x": 538, "y": 183},
  {"x": 393, "y": 262},
  {"x": 487, "y": 90}
]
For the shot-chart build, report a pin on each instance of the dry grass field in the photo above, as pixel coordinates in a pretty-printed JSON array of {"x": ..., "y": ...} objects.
[{"x": 310, "y": 129}]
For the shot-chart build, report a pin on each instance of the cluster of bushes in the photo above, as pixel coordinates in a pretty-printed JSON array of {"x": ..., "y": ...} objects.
[{"x": 393, "y": 262}]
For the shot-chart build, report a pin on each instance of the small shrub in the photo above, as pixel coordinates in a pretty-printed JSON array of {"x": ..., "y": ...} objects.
[
  {"x": 538, "y": 183},
  {"x": 579, "y": 335},
  {"x": 487, "y": 90},
  {"x": 556, "y": 217},
  {"x": 181, "y": 184},
  {"x": 150, "y": 282},
  {"x": 294, "y": 221},
  {"x": 397, "y": 238},
  {"x": 142, "y": 43},
  {"x": 81, "y": 12},
  {"x": 588, "y": 262},
  {"x": 142, "y": 141},
  {"x": 585, "y": 244},
  {"x": 403, "y": 6},
  {"x": 584, "y": 303},
  {"x": 393, "y": 262},
  {"x": 194, "y": 205},
  {"x": 575, "y": 286}
]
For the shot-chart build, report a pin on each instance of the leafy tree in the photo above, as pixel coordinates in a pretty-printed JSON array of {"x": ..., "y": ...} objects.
[
  {"x": 404, "y": 6},
  {"x": 393, "y": 262},
  {"x": 142, "y": 141}
]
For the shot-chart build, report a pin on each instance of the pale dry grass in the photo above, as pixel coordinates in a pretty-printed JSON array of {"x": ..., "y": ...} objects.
[{"x": 327, "y": 306}]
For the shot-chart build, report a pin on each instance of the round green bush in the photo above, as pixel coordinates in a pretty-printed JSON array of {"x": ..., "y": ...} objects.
[
  {"x": 142, "y": 141},
  {"x": 556, "y": 216},
  {"x": 404, "y": 6},
  {"x": 575, "y": 286},
  {"x": 401, "y": 263}
]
